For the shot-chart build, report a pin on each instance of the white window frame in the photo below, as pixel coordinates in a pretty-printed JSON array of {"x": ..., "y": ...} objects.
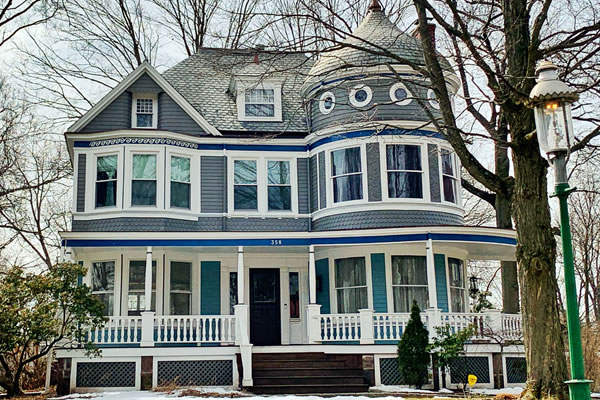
[
  {"x": 268, "y": 185},
  {"x": 94, "y": 167},
  {"x": 398, "y": 102},
  {"x": 241, "y": 101},
  {"x": 333, "y": 284},
  {"x": 426, "y": 286},
  {"x": 432, "y": 99},
  {"x": 424, "y": 172},
  {"x": 330, "y": 177},
  {"x": 116, "y": 284},
  {"x": 262, "y": 186},
  {"x": 355, "y": 89},
  {"x": 322, "y": 100},
  {"x": 154, "y": 98},
  {"x": 194, "y": 180},
  {"x": 126, "y": 271},
  {"x": 456, "y": 178},
  {"x": 450, "y": 287},
  {"x": 160, "y": 176},
  {"x": 194, "y": 284}
]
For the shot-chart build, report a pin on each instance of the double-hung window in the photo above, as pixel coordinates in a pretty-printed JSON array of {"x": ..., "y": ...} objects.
[
  {"x": 144, "y": 111},
  {"x": 245, "y": 185},
  {"x": 143, "y": 184},
  {"x": 180, "y": 182},
  {"x": 351, "y": 284},
  {"x": 136, "y": 298},
  {"x": 106, "y": 181},
  {"x": 279, "y": 186},
  {"x": 449, "y": 176},
  {"x": 260, "y": 103},
  {"x": 457, "y": 285},
  {"x": 409, "y": 282},
  {"x": 404, "y": 171},
  {"x": 103, "y": 284},
  {"x": 181, "y": 288},
  {"x": 346, "y": 173}
]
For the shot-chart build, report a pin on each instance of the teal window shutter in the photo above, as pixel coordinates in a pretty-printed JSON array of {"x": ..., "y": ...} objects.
[
  {"x": 210, "y": 288},
  {"x": 440, "y": 281},
  {"x": 379, "y": 284},
  {"x": 322, "y": 269}
]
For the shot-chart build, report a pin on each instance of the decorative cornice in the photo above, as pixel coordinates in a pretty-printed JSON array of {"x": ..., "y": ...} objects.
[{"x": 143, "y": 140}]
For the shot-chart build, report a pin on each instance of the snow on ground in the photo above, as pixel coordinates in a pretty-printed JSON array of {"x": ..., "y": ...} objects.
[{"x": 399, "y": 389}]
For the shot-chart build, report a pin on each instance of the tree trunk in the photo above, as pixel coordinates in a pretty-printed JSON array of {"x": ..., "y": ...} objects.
[
  {"x": 510, "y": 282},
  {"x": 536, "y": 255}
]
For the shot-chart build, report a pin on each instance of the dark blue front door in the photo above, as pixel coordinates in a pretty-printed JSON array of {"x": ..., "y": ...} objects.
[{"x": 265, "y": 310}]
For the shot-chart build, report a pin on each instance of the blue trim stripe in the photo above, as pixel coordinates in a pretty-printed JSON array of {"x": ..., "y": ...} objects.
[
  {"x": 222, "y": 146},
  {"x": 371, "y": 132},
  {"x": 276, "y": 242}
]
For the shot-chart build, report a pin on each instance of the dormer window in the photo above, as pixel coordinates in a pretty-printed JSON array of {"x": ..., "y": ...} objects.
[
  {"x": 259, "y": 102},
  {"x": 144, "y": 111}
]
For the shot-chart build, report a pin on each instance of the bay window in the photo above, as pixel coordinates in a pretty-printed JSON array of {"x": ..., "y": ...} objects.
[
  {"x": 279, "y": 186},
  {"x": 449, "y": 176},
  {"x": 181, "y": 288},
  {"x": 103, "y": 284},
  {"x": 404, "y": 171},
  {"x": 346, "y": 173},
  {"x": 409, "y": 282},
  {"x": 180, "y": 182},
  {"x": 245, "y": 185},
  {"x": 351, "y": 284},
  {"x": 457, "y": 285},
  {"x": 143, "y": 184},
  {"x": 136, "y": 297},
  {"x": 106, "y": 181}
]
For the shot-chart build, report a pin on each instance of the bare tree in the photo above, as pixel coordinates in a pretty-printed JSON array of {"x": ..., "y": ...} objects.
[{"x": 17, "y": 16}]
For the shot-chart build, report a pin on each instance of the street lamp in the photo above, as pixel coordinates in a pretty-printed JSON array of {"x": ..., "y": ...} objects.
[{"x": 551, "y": 99}]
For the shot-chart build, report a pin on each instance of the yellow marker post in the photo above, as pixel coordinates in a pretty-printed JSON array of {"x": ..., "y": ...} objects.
[{"x": 472, "y": 379}]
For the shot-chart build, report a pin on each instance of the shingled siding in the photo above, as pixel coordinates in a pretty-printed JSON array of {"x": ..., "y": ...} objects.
[
  {"x": 145, "y": 84},
  {"x": 81, "y": 182},
  {"x": 434, "y": 172},
  {"x": 203, "y": 224},
  {"x": 213, "y": 184},
  {"x": 373, "y": 172},
  {"x": 344, "y": 112},
  {"x": 322, "y": 181},
  {"x": 303, "y": 189},
  {"x": 385, "y": 219},
  {"x": 314, "y": 184},
  {"x": 117, "y": 115},
  {"x": 172, "y": 118}
]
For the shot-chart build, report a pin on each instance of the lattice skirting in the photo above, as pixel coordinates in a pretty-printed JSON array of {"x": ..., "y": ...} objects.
[
  {"x": 516, "y": 370},
  {"x": 195, "y": 373},
  {"x": 390, "y": 374},
  {"x": 462, "y": 367},
  {"x": 105, "y": 374}
]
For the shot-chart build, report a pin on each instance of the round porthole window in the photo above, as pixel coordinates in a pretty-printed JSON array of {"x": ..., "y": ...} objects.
[
  {"x": 360, "y": 96},
  {"x": 326, "y": 103},
  {"x": 433, "y": 102},
  {"x": 400, "y": 94}
]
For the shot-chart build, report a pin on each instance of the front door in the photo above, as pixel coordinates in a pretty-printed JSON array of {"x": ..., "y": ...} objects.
[{"x": 265, "y": 312}]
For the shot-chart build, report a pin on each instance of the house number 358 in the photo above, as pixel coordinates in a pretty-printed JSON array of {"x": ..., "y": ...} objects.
[{"x": 275, "y": 242}]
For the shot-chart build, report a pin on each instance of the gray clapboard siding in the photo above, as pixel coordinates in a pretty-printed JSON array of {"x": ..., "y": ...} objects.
[
  {"x": 117, "y": 115},
  {"x": 302, "y": 172},
  {"x": 314, "y": 184},
  {"x": 213, "y": 184},
  {"x": 344, "y": 112},
  {"x": 385, "y": 219},
  {"x": 322, "y": 181},
  {"x": 434, "y": 173},
  {"x": 81, "y": 158},
  {"x": 373, "y": 172},
  {"x": 145, "y": 84},
  {"x": 173, "y": 118}
]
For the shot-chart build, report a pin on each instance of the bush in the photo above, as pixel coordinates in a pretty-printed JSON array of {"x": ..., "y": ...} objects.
[{"x": 413, "y": 358}]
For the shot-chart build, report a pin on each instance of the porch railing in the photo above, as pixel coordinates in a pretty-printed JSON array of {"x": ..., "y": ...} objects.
[
  {"x": 339, "y": 327},
  {"x": 512, "y": 328},
  {"x": 391, "y": 326},
  {"x": 118, "y": 330},
  {"x": 194, "y": 329}
]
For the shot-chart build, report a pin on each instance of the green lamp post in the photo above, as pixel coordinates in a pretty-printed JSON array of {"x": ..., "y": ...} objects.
[{"x": 551, "y": 99}]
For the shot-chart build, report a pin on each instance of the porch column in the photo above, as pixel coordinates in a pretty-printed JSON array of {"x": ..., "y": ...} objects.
[
  {"x": 240, "y": 275},
  {"x": 312, "y": 275},
  {"x": 148, "y": 315},
  {"x": 68, "y": 255},
  {"x": 148, "y": 282},
  {"x": 431, "y": 289}
]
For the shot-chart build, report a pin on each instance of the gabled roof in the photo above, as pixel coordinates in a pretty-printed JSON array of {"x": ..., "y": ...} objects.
[
  {"x": 205, "y": 80},
  {"x": 145, "y": 67}
]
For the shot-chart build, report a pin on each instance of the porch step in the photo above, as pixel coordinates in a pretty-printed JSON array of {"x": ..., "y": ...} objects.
[{"x": 303, "y": 373}]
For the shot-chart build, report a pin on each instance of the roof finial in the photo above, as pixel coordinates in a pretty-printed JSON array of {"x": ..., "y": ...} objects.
[{"x": 375, "y": 6}]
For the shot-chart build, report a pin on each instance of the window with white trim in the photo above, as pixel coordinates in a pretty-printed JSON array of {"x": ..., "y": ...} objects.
[
  {"x": 180, "y": 300},
  {"x": 346, "y": 174},
  {"x": 360, "y": 95},
  {"x": 449, "y": 176},
  {"x": 136, "y": 296},
  {"x": 409, "y": 282},
  {"x": 404, "y": 171},
  {"x": 279, "y": 187},
  {"x": 144, "y": 111},
  {"x": 432, "y": 98},
  {"x": 399, "y": 94},
  {"x": 456, "y": 272},
  {"x": 351, "y": 284},
  {"x": 103, "y": 284},
  {"x": 143, "y": 182},
  {"x": 259, "y": 102},
  {"x": 180, "y": 189},
  {"x": 245, "y": 185},
  {"x": 106, "y": 181},
  {"x": 327, "y": 102}
]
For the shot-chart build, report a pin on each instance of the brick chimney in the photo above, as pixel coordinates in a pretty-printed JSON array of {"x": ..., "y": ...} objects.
[{"x": 430, "y": 28}]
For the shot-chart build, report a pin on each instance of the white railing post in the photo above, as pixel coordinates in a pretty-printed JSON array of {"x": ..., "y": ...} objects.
[
  {"x": 242, "y": 339},
  {"x": 147, "y": 328},
  {"x": 367, "y": 334},
  {"x": 434, "y": 319},
  {"x": 313, "y": 323},
  {"x": 492, "y": 322},
  {"x": 431, "y": 290}
]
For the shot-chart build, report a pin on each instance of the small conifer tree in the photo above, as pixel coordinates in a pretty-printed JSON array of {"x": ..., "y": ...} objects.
[{"x": 413, "y": 358}]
